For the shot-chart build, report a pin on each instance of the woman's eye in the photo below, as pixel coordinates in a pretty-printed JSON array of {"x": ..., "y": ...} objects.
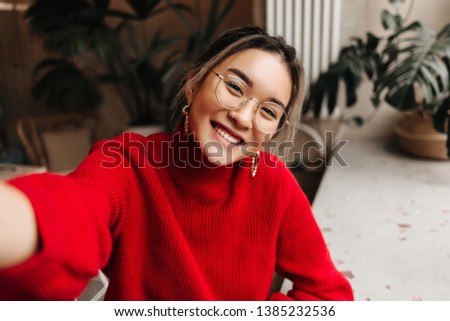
[
  {"x": 234, "y": 88},
  {"x": 269, "y": 112}
]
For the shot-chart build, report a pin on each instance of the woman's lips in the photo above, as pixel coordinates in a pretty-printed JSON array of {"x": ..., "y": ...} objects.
[{"x": 227, "y": 134}]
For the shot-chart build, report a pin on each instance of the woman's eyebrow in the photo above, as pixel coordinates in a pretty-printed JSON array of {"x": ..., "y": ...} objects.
[
  {"x": 241, "y": 75},
  {"x": 277, "y": 101},
  {"x": 249, "y": 83}
]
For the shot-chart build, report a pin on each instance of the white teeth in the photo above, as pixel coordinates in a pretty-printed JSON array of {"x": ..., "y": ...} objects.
[{"x": 227, "y": 136}]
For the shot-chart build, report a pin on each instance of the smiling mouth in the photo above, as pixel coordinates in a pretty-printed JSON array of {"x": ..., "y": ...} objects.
[{"x": 223, "y": 132}]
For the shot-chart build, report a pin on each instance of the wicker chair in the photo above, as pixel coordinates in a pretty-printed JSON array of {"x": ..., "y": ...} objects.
[{"x": 58, "y": 142}]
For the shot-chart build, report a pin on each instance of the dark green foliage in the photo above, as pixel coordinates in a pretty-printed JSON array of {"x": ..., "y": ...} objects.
[
  {"x": 89, "y": 52},
  {"x": 75, "y": 93},
  {"x": 354, "y": 60},
  {"x": 412, "y": 59},
  {"x": 201, "y": 33}
]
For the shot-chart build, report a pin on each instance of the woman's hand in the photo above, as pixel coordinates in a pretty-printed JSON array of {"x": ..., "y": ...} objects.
[{"x": 18, "y": 228}]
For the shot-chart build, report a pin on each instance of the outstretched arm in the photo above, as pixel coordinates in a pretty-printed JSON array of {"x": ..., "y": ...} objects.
[{"x": 18, "y": 229}]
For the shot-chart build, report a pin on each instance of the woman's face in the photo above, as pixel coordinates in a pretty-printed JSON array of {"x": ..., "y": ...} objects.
[{"x": 228, "y": 136}]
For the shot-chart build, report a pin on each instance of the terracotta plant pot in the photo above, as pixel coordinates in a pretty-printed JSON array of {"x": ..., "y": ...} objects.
[{"x": 415, "y": 135}]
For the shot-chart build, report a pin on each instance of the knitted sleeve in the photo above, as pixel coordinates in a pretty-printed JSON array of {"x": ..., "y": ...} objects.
[
  {"x": 74, "y": 214},
  {"x": 302, "y": 255}
]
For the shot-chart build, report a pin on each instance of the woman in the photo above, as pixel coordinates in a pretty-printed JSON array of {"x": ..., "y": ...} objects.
[{"x": 201, "y": 214}]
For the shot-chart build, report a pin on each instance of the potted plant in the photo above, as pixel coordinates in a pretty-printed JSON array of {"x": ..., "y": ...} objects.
[
  {"x": 90, "y": 47},
  {"x": 409, "y": 70},
  {"x": 95, "y": 45}
]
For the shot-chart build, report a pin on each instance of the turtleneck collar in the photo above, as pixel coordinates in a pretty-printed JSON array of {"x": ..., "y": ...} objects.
[{"x": 189, "y": 162}]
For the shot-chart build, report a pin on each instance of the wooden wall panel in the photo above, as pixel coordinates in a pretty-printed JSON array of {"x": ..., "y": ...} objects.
[{"x": 19, "y": 52}]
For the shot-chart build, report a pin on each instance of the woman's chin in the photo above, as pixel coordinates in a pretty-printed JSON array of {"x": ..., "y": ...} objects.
[{"x": 226, "y": 158}]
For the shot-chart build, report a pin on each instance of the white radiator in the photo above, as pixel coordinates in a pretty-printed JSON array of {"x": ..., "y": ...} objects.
[{"x": 311, "y": 26}]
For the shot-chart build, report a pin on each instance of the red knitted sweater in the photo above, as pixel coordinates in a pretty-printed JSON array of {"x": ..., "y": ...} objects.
[{"x": 164, "y": 224}]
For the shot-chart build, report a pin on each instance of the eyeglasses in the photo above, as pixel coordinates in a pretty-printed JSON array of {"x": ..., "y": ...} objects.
[{"x": 233, "y": 93}]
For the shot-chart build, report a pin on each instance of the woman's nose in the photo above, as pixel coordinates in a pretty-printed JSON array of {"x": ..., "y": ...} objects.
[{"x": 243, "y": 116}]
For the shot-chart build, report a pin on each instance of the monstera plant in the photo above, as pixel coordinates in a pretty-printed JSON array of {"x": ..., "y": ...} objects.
[{"x": 409, "y": 70}]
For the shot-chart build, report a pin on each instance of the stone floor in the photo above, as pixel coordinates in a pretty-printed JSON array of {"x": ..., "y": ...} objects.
[{"x": 386, "y": 220}]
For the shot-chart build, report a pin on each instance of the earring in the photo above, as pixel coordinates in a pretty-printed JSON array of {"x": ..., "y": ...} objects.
[
  {"x": 185, "y": 111},
  {"x": 255, "y": 161}
]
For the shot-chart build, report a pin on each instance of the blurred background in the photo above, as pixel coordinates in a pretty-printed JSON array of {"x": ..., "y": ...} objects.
[
  {"x": 73, "y": 72},
  {"x": 118, "y": 63}
]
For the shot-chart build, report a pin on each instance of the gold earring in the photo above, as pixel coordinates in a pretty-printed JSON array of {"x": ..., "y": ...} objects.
[
  {"x": 185, "y": 111},
  {"x": 255, "y": 161}
]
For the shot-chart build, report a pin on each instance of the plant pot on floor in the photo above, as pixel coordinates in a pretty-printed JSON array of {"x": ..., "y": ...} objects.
[{"x": 416, "y": 135}]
